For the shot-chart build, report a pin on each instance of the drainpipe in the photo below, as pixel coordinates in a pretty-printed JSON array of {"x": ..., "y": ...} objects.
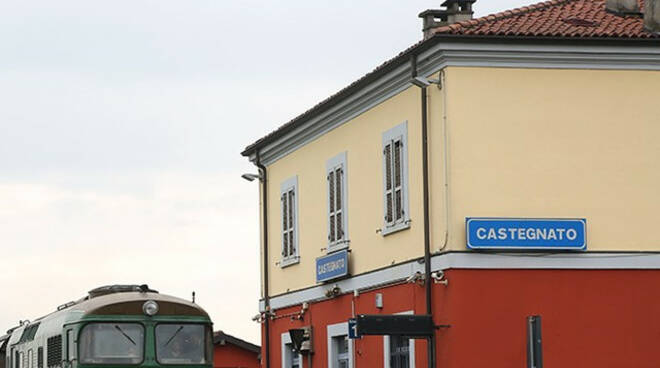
[
  {"x": 264, "y": 199},
  {"x": 427, "y": 231}
]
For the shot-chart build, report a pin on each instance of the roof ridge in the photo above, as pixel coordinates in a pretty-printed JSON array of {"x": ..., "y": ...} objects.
[{"x": 501, "y": 15}]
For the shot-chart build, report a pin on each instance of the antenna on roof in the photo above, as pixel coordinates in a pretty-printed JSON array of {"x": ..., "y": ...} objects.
[{"x": 193, "y": 295}]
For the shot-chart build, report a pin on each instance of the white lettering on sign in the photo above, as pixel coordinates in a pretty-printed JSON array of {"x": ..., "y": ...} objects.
[
  {"x": 525, "y": 234},
  {"x": 481, "y": 233},
  {"x": 571, "y": 234},
  {"x": 331, "y": 266}
]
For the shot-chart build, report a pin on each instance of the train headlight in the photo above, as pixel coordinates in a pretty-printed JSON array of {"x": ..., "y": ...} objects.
[{"x": 150, "y": 308}]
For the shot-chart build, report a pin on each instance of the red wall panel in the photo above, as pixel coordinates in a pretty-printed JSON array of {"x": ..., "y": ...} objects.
[
  {"x": 590, "y": 318},
  {"x": 230, "y": 356},
  {"x": 369, "y": 349}
]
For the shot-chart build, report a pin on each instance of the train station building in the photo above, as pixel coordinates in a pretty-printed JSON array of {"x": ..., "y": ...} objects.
[{"x": 500, "y": 176}]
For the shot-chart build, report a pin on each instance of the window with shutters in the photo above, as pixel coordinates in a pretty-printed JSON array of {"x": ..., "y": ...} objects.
[
  {"x": 340, "y": 347},
  {"x": 337, "y": 200},
  {"x": 398, "y": 351},
  {"x": 289, "y": 221},
  {"x": 395, "y": 179}
]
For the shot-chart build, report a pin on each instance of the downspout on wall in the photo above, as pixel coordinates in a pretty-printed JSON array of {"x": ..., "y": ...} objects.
[
  {"x": 425, "y": 203},
  {"x": 264, "y": 199}
]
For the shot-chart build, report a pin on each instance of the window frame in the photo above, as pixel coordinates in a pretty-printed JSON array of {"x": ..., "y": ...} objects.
[
  {"x": 411, "y": 347},
  {"x": 335, "y": 331},
  {"x": 144, "y": 343},
  {"x": 287, "y": 186},
  {"x": 287, "y": 351},
  {"x": 337, "y": 162},
  {"x": 396, "y": 133},
  {"x": 207, "y": 329}
]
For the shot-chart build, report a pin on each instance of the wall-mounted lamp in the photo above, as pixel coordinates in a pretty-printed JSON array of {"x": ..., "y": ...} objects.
[
  {"x": 439, "y": 278},
  {"x": 251, "y": 177},
  {"x": 335, "y": 291}
]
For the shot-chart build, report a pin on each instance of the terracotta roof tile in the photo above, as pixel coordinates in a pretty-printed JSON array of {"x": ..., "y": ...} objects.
[{"x": 555, "y": 18}]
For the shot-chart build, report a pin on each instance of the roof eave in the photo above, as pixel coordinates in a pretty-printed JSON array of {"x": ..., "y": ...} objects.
[{"x": 405, "y": 56}]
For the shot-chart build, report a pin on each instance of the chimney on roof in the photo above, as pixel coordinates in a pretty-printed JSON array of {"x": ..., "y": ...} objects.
[
  {"x": 455, "y": 11},
  {"x": 622, "y": 7},
  {"x": 652, "y": 15}
]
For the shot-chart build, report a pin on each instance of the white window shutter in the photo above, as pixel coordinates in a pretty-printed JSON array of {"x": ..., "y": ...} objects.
[
  {"x": 337, "y": 202},
  {"x": 339, "y": 208},
  {"x": 289, "y": 189},
  {"x": 285, "y": 225},
  {"x": 395, "y": 179},
  {"x": 389, "y": 196}
]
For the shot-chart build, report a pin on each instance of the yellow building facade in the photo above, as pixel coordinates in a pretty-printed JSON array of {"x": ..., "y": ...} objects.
[
  {"x": 515, "y": 127},
  {"x": 530, "y": 142}
]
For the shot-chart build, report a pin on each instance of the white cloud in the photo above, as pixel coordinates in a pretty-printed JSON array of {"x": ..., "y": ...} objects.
[{"x": 188, "y": 232}]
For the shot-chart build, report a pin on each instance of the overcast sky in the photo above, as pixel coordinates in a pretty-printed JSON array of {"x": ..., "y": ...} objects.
[{"x": 121, "y": 127}]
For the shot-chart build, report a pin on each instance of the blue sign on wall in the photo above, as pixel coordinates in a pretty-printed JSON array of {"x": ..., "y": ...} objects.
[
  {"x": 332, "y": 266},
  {"x": 521, "y": 233},
  {"x": 352, "y": 329}
]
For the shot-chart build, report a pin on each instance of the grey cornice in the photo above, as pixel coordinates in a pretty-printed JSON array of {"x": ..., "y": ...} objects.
[
  {"x": 474, "y": 260},
  {"x": 479, "y": 53}
]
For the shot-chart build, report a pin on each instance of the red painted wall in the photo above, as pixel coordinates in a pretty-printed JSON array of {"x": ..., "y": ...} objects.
[
  {"x": 230, "y": 356},
  {"x": 369, "y": 349},
  {"x": 590, "y": 318}
]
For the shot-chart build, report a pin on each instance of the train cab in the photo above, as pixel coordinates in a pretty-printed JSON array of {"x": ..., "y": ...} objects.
[{"x": 115, "y": 326}]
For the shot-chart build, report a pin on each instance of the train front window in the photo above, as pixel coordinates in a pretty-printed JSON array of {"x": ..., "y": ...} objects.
[
  {"x": 183, "y": 344},
  {"x": 111, "y": 343}
]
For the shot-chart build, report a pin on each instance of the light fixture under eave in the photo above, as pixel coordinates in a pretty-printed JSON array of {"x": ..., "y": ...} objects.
[
  {"x": 423, "y": 82},
  {"x": 251, "y": 177}
]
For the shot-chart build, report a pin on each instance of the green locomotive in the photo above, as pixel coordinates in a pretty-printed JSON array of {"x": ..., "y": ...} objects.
[{"x": 115, "y": 326}]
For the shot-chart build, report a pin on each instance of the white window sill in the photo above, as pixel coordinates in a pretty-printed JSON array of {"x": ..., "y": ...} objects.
[
  {"x": 286, "y": 262},
  {"x": 395, "y": 228},
  {"x": 338, "y": 246}
]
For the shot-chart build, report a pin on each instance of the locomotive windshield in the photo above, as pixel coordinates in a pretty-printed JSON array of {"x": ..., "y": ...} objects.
[
  {"x": 112, "y": 343},
  {"x": 183, "y": 344}
]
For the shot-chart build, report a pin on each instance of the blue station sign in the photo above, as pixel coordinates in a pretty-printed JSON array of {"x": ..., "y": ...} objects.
[
  {"x": 528, "y": 234},
  {"x": 332, "y": 266}
]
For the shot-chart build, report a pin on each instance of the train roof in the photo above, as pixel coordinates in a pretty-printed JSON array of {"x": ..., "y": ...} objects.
[
  {"x": 3, "y": 342},
  {"x": 131, "y": 303},
  {"x": 124, "y": 300}
]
